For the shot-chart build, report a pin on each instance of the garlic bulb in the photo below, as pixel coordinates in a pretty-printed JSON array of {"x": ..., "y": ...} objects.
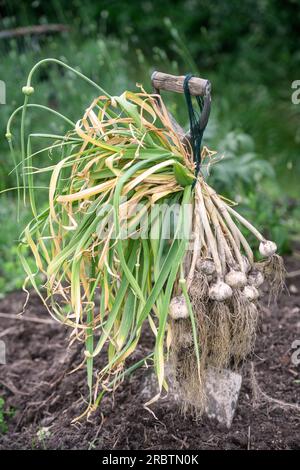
[
  {"x": 220, "y": 291},
  {"x": 251, "y": 292},
  {"x": 207, "y": 266},
  {"x": 267, "y": 248},
  {"x": 178, "y": 308},
  {"x": 255, "y": 278},
  {"x": 236, "y": 279}
]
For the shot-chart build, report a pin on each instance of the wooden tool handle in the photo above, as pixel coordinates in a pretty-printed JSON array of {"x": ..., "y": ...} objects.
[{"x": 167, "y": 82}]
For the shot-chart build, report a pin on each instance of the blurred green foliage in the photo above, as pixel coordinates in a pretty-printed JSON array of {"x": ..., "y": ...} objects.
[
  {"x": 11, "y": 270},
  {"x": 249, "y": 51},
  {"x": 4, "y": 416}
]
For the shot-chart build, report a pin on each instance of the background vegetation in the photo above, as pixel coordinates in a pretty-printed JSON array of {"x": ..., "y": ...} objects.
[{"x": 249, "y": 50}]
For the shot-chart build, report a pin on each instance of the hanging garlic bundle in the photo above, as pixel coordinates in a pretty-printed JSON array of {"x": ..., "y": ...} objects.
[
  {"x": 124, "y": 159},
  {"x": 224, "y": 282}
]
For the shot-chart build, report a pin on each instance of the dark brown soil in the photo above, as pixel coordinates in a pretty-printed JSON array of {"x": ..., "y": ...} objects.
[{"x": 36, "y": 384}]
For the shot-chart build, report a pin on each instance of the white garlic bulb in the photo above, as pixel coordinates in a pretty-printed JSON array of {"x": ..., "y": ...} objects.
[
  {"x": 251, "y": 293},
  {"x": 267, "y": 248},
  {"x": 178, "y": 308},
  {"x": 236, "y": 279},
  {"x": 255, "y": 278},
  {"x": 220, "y": 291},
  {"x": 206, "y": 266}
]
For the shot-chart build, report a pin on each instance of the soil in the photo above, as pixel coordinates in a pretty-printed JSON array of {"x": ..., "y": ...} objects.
[{"x": 36, "y": 384}]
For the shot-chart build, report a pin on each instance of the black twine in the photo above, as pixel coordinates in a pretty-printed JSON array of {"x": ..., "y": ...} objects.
[{"x": 198, "y": 121}]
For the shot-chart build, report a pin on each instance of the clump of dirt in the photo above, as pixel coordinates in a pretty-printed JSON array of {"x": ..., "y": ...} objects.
[{"x": 36, "y": 383}]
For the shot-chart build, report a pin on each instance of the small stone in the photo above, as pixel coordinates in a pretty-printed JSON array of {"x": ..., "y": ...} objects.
[
  {"x": 47, "y": 421},
  {"x": 293, "y": 289},
  {"x": 149, "y": 388},
  {"x": 295, "y": 310},
  {"x": 150, "y": 385},
  {"x": 222, "y": 388},
  {"x": 284, "y": 360}
]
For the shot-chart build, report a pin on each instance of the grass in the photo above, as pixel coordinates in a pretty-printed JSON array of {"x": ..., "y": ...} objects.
[{"x": 11, "y": 271}]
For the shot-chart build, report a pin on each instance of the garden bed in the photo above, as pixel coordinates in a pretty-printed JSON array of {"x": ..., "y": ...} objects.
[{"x": 36, "y": 384}]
